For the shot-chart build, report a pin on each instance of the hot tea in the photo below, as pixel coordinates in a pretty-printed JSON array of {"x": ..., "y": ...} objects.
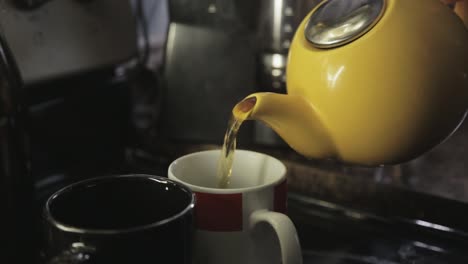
[{"x": 239, "y": 114}]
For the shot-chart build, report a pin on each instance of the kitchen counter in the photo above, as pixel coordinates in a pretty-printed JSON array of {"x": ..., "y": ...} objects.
[{"x": 411, "y": 213}]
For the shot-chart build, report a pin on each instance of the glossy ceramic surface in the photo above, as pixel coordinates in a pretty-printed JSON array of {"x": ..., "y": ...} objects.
[
  {"x": 387, "y": 97},
  {"x": 120, "y": 219},
  {"x": 246, "y": 222}
]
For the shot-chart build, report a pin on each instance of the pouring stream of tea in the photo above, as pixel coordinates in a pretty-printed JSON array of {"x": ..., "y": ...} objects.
[{"x": 239, "y": 114}]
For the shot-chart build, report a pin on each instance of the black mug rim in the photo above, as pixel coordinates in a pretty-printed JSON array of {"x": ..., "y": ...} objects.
[{"x": 75, "y": 229}]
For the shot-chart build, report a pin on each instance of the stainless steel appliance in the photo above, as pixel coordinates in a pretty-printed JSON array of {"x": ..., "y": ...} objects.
[
  {"x": 218, "y": 52},
  {"x": 277, "y": 23},
  {"x": 209, "y": 65}
]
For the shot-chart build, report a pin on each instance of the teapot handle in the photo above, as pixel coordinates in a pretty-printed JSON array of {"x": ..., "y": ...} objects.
[{"x": 78, "y": 253}]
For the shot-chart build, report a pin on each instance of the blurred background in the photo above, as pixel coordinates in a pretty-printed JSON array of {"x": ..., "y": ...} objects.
[{"x": 117, "y": 86}]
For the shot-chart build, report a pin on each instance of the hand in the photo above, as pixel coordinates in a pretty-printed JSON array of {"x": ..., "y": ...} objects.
[{"x": 461, "y": 9}]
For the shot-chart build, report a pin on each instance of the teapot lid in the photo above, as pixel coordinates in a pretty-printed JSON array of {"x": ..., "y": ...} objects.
[{"x": 338, "y": 22}]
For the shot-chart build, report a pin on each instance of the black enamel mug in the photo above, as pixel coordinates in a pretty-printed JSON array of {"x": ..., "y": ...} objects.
[{"x": 120, "y": 219}]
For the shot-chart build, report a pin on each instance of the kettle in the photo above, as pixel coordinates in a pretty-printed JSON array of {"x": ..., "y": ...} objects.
[{"x": 370, "y": 82}]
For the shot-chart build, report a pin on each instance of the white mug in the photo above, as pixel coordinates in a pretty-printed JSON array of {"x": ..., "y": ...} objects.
[{"x": 246, "y": 222}]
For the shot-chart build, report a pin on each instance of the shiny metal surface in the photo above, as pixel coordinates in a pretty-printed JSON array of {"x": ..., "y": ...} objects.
[
  {"x": 338, "y": 22},
  {"x": 278, "y": 21},
  {"x": 273, "y": 71}
]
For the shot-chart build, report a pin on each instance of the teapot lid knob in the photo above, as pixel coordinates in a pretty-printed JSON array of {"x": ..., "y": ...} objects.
[{"x": 338, "y": 22}]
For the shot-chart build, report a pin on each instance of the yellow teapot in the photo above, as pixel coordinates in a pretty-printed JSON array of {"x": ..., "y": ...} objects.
[{"x": 370, "y": 82}]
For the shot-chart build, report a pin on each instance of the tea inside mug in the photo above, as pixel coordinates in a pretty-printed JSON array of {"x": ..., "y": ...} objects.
[
  {"x": 118, "y": 203},
  {"x": 250, "y": 169}
]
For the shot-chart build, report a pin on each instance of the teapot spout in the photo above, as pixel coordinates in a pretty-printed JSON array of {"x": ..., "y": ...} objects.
[{"x": 293, "y": 118}]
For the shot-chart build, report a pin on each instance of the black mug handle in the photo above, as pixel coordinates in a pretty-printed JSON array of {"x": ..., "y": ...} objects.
[{"x": 78, "y": 253}]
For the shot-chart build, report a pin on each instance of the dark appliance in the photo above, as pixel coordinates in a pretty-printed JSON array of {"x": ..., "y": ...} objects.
[
  {"x": 209, "y": 66},
  {"x": 69, "y": 54},
  {"x": 218, "y": 52},
  {"x": 16, "y": 184},
  {"x": 73, "y": 59}
]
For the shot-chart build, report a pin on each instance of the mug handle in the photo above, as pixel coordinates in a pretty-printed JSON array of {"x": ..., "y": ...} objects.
[
  {"x": 78, "y": 253},
  {"x": 283, "y": 228}
]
